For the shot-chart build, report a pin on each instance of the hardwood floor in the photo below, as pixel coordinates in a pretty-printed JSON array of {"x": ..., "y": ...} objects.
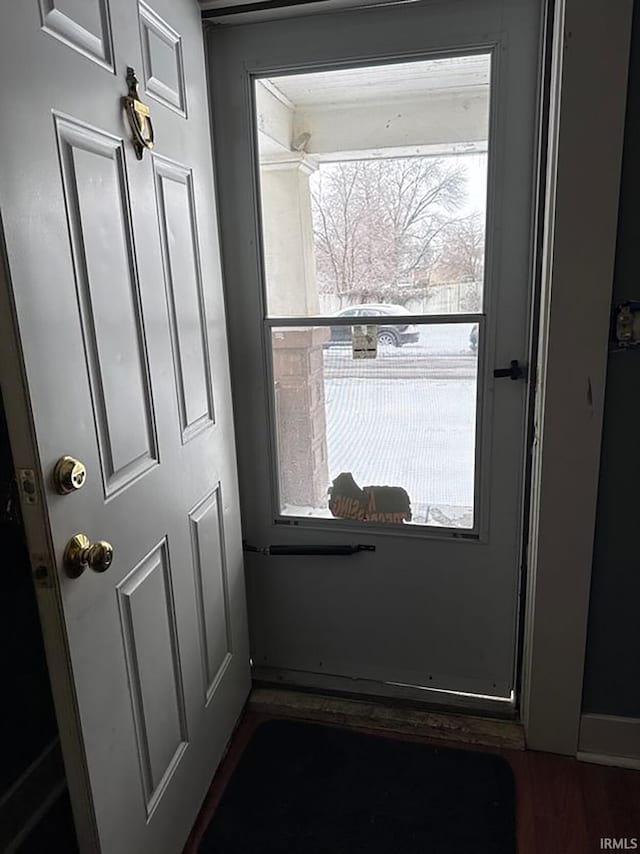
[{"x": 564, "y": 806}]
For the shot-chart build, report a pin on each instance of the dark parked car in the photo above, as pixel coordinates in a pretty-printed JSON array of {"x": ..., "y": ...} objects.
[{"x": 391, "y": 335}]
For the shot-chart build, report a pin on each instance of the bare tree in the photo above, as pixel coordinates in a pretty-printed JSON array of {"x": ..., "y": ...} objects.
[
  {"x": 462, "y": 258},
  {"x": 379, "y": 223}
]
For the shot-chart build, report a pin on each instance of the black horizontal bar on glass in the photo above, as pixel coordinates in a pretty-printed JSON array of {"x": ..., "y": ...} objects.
[
  {"x": 311, "y": 550},
  {"x": 374, "y": 320}
]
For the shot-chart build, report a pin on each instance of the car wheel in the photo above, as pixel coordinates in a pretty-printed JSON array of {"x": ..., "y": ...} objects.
[{"x": 387, "y": 339}]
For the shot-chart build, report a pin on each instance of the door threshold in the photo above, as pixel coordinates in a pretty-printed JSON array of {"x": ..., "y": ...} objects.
[
  {"x": 420, "y": 696},
  {"x": 387, "y": 716}
]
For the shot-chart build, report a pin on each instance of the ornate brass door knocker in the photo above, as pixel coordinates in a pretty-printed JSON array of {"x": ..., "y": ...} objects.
[{"x": 138, "y": 114}]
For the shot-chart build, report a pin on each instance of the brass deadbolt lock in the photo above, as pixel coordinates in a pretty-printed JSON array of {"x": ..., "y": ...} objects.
[
  {"x": 81, "y": 554},
  {"x": 69, "y": 475}
]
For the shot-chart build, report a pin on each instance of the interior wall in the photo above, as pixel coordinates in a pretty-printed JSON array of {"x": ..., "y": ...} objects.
[{"x": 611, "y": 685}]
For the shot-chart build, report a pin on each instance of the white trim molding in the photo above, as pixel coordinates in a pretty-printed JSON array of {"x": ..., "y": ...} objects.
[
  {"x": 610, "y": 740},
  {"x": 586, "y": 132}
]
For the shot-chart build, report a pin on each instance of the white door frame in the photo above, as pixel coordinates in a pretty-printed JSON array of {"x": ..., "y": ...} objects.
[{"x": 586, "y": 127}]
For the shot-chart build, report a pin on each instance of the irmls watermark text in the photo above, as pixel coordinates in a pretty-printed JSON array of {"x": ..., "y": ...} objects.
[{"x": 621, "y": 843}]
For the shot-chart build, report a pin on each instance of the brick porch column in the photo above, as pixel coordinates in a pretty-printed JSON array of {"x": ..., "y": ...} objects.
[{"x": 297, "y": 353}]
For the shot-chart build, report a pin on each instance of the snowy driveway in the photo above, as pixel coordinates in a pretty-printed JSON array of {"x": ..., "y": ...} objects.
[{"x": 407, "y": 418}]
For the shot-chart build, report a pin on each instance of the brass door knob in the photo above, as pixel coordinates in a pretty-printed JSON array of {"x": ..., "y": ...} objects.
[{"x": 81, "y": 554}]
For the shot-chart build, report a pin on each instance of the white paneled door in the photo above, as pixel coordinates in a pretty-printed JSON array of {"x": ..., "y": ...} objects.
[{"x": 114, "y": 304}]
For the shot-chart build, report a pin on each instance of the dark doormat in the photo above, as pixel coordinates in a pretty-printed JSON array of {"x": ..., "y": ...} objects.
[{"x": 307, "y": 789}]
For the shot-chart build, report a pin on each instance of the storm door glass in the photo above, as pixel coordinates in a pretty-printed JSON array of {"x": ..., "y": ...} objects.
[{"x": 373, "y": 191}]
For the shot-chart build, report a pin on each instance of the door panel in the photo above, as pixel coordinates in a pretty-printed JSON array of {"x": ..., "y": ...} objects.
[
  {"x": 212, "y": 590},
  {"x": 183, "y": 282},
  {"x": 85, "y": 26},
  {"x": 162, "y": 60},
  {"x": 145, "y": 599},
  {"x": 123, "y": 351},
  {"x": 434, "y": 609}
]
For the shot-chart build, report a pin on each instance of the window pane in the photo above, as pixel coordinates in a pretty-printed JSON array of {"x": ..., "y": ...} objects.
[
  {"x": 404, "y": 418},
  {"x": 373, "y": 187}
]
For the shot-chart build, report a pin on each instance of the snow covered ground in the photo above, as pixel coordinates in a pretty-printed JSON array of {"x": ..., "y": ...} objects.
[{"x": 408, "y": 418}]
